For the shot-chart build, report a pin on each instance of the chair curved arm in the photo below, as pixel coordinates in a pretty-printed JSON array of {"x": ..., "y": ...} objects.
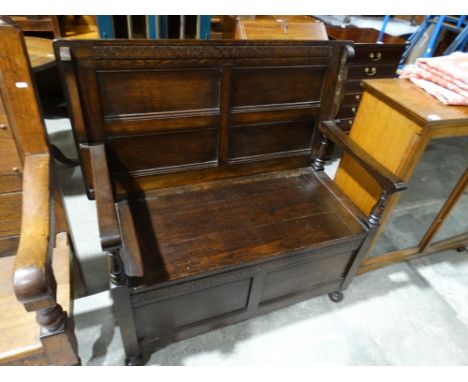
[
  {"x": 107, "y": 219},
  {"x": 32, "y": 278}
]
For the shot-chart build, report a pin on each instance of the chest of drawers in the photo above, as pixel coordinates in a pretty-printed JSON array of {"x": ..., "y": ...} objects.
[
  {"x": 10, "y": 187},
  {"x": 371, "y": 60}
]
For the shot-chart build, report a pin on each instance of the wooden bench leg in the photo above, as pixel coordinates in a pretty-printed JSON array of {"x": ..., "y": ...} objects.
[
  {"x": 60, "y": 345},
  {"x": 56, "y": 328},
  {"x": 124, "y": 315},
  {"x": 123, "y": 311},
  {"x": 336, "y": 297}
]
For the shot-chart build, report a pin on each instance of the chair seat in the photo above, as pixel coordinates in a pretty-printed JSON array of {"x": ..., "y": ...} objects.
[
  {"x": 190, "y": 230},
  {"x": 18, "y": 328},
  {"x": 19, "y": 332}
]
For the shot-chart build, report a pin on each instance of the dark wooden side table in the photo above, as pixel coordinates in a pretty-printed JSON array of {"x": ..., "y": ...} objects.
[{"x": 426, "y": 143}]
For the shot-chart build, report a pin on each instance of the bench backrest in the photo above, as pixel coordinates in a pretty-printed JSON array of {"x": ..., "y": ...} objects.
[{"x": 177, "y": 112}]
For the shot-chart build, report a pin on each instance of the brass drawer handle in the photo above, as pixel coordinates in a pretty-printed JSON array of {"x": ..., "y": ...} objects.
[
  {"x": 350, "y": 122},
  {"x": 353, "y": 110},
  {"x": 370, "y": 71},
  {"x": 375, "y": 57},
  {"x": 358, "y": 97},
  {"x": 3, "y": 126}
]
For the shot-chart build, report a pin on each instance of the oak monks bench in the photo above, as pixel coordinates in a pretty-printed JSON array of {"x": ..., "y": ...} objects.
[{"x": 206, "y": 162}]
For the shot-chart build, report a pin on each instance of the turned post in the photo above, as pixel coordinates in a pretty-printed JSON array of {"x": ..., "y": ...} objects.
[
  {"x": 116, "y": 271},
  {"x": 321, "y": 153},
  {"x": 51, "y": 319},
  {"x": 378, "y": 209}
]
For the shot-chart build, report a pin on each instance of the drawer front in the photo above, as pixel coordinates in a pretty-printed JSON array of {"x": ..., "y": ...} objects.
[
  {"x": 352, "y": 99},
  {"x": 9, "y": 229},
  {"x": 371, "y": 71},
  {"x": 345, "y": 123},
  {"x": 10, "y": 214},
  {"x": 10, "y": 207},
  {"x": 354, "y": 86},
  {"x": 348, "y": 111},
  {"x": 10, "y": 183},
  {"x": 10, "y": 162},
  {"x": 377, "y": 54}
]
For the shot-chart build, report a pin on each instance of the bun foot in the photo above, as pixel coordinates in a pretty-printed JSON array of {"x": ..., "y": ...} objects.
[
  {"x": 135, "y": 361},
  {"x": 336, "y": 296}
]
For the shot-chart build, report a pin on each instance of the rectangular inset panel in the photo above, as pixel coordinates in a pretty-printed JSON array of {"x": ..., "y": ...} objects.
[
  {"x": 261, "y": 139},
  {"x": 273, "y": 114},
  {"x": 161, "y": 316},
  {"x": 160, "y": 123},
  {"x": 303, "y": 276},
  {"x": 269, "y": 86},
  {"x": 155, "y": 91},
  {"x": 148, "y": 152}
]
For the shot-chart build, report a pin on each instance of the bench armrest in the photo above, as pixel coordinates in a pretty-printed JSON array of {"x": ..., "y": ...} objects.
[
  {"x": 32, "y": 280},
  {"x": 386, "y": 179},
  {"x": 107, "y": 217}
]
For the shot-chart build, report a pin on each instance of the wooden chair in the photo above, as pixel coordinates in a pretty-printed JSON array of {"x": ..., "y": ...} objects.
[
  {"x": 210, "y": 203},
  {"x": 32, "y": 225}
]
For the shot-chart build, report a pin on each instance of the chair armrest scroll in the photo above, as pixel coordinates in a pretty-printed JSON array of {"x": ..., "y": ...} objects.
[{"x": 32, "y": 277}]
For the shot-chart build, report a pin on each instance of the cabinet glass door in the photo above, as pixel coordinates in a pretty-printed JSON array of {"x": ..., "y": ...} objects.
[
  {"x": 437, "y": 173},
  {"x": 456, "y": 222}
]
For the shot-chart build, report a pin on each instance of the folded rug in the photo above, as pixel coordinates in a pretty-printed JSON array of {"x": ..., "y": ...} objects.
[
  {"x": 446, "y": 77},
  {"x": 453, "y": 66}
]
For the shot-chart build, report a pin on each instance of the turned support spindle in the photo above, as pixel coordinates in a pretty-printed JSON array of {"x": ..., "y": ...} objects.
[
  {"x": 321, "y": 154},
  {"x": 51, "y": 319},
  {"x": 116, "y": 272},
  {"x": 377, "y": 210}
]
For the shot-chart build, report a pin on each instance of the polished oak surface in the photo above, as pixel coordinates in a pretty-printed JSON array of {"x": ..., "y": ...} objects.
[
  {"x": 40, "y": 52},
  {"x": 280, "y": 29},
  {"x": 417, "y": 104}
]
